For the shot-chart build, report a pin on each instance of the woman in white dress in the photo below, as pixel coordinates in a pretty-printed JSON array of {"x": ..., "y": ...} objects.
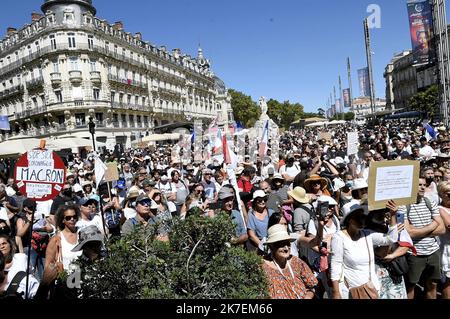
[{"x": 352, "y": 252}]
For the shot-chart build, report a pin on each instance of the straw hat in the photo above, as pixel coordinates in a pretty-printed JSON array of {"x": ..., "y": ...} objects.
[
  {"x": 278, "y": 233},
  {"x": 314, "y": 178},
  {"x": 299, "y": 194}
]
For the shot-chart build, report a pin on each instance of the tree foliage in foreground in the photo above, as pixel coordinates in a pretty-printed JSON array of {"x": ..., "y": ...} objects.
[{"x": 197, "y": 263}]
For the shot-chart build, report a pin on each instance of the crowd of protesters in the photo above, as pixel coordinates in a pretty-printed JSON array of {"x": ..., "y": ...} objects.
[{"x": 305, "y": 214}]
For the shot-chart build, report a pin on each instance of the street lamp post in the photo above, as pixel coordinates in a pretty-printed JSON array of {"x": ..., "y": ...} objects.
[{"x": 92, "y": 130}]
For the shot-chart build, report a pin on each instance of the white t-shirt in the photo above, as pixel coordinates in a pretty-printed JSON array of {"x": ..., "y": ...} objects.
[
  {"x": 350, "y": 259},
  {"x": 427, "y": 151},
  {"x": 20, "y": 264},
  {"x": 4, "y": 214},
  {"x": 292, "y": 171},
  {"x": 96, "y": 221}
]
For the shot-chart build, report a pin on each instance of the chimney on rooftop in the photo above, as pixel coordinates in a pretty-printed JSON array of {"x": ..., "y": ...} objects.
[
  {"x": 138, "y": 36},
  {"x": 11, "y": 30},
  {"x": 35, "y": 16},
  {"x": 118, "y": 25}
]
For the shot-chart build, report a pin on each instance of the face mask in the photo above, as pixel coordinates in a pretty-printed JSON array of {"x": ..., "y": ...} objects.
[{"x": 349, "y": 184}]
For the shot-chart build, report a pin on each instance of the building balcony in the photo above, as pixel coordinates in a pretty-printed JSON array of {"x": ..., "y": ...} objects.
[
  {"x": 11, "y": 92},
  {"x": 35, "y": 83},
  {"x": 55, "y": 77},
  {"x": 75, "y": 77},
  {"x": 96, "y": 77},
  {"x": 31, "y": 112}
]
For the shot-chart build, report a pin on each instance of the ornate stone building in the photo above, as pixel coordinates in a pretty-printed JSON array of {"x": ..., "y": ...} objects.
[{"x": 68, "y": 65}]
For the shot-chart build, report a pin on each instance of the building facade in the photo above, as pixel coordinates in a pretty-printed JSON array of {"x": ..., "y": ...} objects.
[
  {"x": 389, "y": 78},
  {"x": 67, "y": 65},
  {"x": 361, "y": 107}
]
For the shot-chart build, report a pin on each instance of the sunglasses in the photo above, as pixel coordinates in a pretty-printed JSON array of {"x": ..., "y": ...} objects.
[
  {"x": 69, "y": 218},
  {"x": 260, "y": 200},
  {"x": 145, "y": 202}
]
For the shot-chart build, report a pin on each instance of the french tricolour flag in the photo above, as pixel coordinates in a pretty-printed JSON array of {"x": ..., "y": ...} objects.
[
  {"x": 430, "y": 133},
  {"x": 405, "y": 240},
  {"x": 218, "y": 147},
  {"x": 263, "y": 146}
]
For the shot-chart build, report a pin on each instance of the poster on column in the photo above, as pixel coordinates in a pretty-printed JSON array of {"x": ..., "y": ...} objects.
[
  {"x": 198, "y": 141},
  {"x": 253, "y": 145},
  {"x": 40, "y": 174},
  {"x": 352, "y": 143},
  {"x": 393, "y": 180}
]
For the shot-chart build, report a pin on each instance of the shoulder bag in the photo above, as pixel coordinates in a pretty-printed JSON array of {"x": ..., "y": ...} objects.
[{"x": 368, "y": 290}]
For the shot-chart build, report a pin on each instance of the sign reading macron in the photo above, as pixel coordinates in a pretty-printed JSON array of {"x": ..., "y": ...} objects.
[{"x": 40, "y": 174}]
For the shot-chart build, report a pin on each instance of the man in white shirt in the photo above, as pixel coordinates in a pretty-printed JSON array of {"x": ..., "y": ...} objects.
[
  {"x": 426, "y": 150},
  {"x": 290, "y": 170}
]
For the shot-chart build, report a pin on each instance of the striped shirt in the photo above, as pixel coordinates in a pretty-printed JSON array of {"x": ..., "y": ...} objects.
[{"x": 419, "y": 217}]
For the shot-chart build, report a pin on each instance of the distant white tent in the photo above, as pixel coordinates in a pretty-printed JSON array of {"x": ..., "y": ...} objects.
[{"x": 316, "y": 124}]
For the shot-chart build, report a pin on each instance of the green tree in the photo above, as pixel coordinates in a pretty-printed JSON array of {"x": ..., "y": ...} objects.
[
  {"x": 349, "y": 116},
  {"x": 321, "y": 112},
  {"x": 427, "y": 101},
  {"x": 283, "y": 114},
  {"x": 197, "y": 263},
  {"x": 245, "y": 110}
]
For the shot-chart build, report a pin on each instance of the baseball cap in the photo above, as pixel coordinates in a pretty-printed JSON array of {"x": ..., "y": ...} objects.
[
  {"x": 85, "y": 201},
  {"x": 151, "y": 182},
  {"x": 142, "y": 197},
  {"x": 121, "y": 184}
]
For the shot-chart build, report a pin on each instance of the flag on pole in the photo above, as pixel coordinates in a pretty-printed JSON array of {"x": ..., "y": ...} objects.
[
  {"x": 4, "y": 123},
  {"x": 229, "y": 156},
  {"x": 430, "y": 133},
  {"x": 263, "y": 145},
  {"x": 100, "y": 170},
  {"x": 218, "y": 147}
]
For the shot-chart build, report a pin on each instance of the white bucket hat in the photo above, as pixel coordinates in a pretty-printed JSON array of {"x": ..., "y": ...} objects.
[
  {"x": 278, "y": 233},
  {"x": 359, "y": 183},
  {"x": 352, "y": 207}
]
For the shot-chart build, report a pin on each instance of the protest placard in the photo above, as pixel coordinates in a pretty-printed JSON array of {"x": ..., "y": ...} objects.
[
  {"x": 352, "y": 143},
  {"x": 40, "y": 174},
  {"x": 393, "y": 180}
]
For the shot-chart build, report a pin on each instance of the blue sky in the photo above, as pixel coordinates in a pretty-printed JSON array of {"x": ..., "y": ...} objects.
[{"x": 288, "y": 49}]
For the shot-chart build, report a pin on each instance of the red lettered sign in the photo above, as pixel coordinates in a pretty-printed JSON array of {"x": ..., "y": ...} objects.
[{"x": 40, "y": 174}]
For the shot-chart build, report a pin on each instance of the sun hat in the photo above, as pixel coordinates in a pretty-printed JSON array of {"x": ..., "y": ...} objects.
[
  {"x": 359, "y": 183},
  {"x": 85, "y": 183},
  {"x": 299, "y": 194},
  {"x": 86, "y": 235},
  {"x": 314, "y": 178},
  {"x": 277, "y": 233},
  {"x": 239, "y": 170},
  {"x": 259, "y": 194},
  {"x": 225, "y": 192},
  {"x": 133, "y": 192},
  {"x": 352, "y": 207},
  {"x": 278, "y": 176}
]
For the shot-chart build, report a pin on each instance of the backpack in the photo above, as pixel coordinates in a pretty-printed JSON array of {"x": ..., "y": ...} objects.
[
  {"x": 39, "y": 242},
  {"x": 427, "y": 202},
  {"x": 11, "y": 292}
]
